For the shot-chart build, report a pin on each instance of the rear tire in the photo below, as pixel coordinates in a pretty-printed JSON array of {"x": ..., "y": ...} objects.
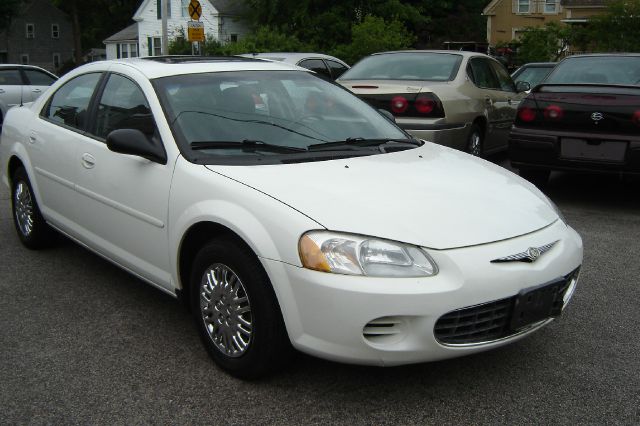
[
  {"x": 236, "y": 311},
  {"x": 538, "y": 177},
  {"x": 33, "y": 231},
  {"x": 475, "y": 141}
]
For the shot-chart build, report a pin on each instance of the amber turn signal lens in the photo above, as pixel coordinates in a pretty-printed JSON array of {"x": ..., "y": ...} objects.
[{"x": 311, "y": 255}]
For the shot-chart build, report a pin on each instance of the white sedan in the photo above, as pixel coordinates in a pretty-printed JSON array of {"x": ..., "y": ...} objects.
[{"x": 287, "y": 212}]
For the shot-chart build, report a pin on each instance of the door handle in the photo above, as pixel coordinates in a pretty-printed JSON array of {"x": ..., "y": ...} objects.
[
  {"x": 88, "y": 161},
  {"x": 36, "y": 90},
  {"x": 1, "y": 90},
  {"x": 509, "y": 101},
  {"x": 33, "y": 137},
  {"x": 488, "y": 101}
]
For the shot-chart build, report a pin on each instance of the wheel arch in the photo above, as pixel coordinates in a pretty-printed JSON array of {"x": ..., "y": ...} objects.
[
  {"x": 14, "y": 164},
  {"x": 196, "y": 236},
  {"x": 481, "y": 121}
]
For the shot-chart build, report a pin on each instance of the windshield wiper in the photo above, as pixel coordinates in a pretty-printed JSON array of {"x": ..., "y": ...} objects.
[
  {"x": 355, "y": 143},
  {"x": 247, "y": 145}
]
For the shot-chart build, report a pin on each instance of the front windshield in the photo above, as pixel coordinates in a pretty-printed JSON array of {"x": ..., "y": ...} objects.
[
  {"x": 288, "y": 109},
  {"x": 406, "y": 66},
  {"x": 597, "y": 70}
]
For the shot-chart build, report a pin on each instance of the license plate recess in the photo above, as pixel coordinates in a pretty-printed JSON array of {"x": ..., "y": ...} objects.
[{"x": 538, "y": 303}]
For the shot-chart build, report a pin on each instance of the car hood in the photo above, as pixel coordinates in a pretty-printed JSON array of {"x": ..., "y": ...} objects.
[{"x": 431, "y": 196}]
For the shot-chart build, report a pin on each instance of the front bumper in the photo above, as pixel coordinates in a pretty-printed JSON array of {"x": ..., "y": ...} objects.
[
  {"x": 541, "y": 149},
  {"x": 331, "y": 316},
  {"x": 451, "y": 135}
]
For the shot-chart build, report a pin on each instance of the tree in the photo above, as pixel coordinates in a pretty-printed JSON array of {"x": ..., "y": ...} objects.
[
  {"x": 618, "y": 30},
  {"x": 374, "y": 34},
  {"x": 547, "y": 43},
  {"x": 8, "y": 10}
]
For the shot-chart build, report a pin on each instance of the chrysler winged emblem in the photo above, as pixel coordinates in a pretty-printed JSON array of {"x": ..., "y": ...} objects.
[
  {"x": 597, "y": 116},
  {"x": 530, "y": 255}
]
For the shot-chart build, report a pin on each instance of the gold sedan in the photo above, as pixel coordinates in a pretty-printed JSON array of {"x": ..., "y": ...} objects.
[{"x": 464, "y": 100}]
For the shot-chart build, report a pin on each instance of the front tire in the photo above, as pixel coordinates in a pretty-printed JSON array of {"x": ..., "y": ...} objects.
[
  {"x": 236, "y": 311},
  {"x": 33, "y": 231}
]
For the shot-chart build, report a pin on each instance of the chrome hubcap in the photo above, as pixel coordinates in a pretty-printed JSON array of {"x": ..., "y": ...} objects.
[
  {"x": 474, "y": 144},
  {"x": 225, "y": 310},
  {"x": 23, "y": 207}
]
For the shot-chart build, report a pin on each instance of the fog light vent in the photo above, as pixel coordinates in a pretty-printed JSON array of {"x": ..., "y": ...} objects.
[{"x": 384, "y": 330}]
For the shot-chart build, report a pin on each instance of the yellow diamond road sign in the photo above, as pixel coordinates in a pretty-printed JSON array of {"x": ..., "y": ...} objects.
[
  {"x": 195, "y": 10},
  {"x": 195, "y": 31}
]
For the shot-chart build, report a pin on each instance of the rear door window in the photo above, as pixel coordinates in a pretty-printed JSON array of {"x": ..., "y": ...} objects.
[
  {"x": 337, "y": 69},
  {"x": 316, "y": 65},
  {"x": 69, "y": 105},
  {"x": 39, "y": 78}
]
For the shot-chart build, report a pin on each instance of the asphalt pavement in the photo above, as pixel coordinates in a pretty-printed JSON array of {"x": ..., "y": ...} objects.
[{"x": 83, "y": 342}]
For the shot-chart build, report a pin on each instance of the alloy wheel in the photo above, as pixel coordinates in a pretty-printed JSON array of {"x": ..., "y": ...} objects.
[
  {"x": 23, "y": 208},
  {"x": 225, "y": 310}
]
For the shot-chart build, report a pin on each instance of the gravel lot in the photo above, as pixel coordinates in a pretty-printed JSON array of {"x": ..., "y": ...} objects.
[{"x": 83, "y": 342}]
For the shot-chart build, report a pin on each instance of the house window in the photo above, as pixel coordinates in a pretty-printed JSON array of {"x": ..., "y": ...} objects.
[
  {"x": 234, "y": 38},
  {"x": 55, "y": 31},
  {"x": 551, "y": 6},
  {"x": 185, "y": 8},
  {"x": 24, "y": 59},
  {"x": 159, "y": 8},
  {"x": 56, "y": 61},
  {"x": 31, "y": 31},
  {"x": 127, "y": 50},
  {"x": 157, "y": 46},
  {"x": 524, "y": 6}
]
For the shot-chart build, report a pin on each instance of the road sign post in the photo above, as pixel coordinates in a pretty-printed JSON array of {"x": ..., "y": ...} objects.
[{"x": 195, "y": 28}]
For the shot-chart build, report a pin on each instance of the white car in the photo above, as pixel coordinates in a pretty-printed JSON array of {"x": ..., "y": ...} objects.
[
  {"x": 20, "y": 84},
  {"x": 287, "y": 212}
]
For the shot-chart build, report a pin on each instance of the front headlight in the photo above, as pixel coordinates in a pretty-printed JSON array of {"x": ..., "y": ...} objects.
[{"x": 359, "y": 255}]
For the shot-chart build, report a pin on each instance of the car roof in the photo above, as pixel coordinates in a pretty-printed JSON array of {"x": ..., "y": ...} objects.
[
  {"x": 33, "y": 67},
  {"x": 292, "y": 57},
  {"x": 463, "y": 53},
  {"x": 539, "y": 64},
  {"x": 163, "y": 66}
]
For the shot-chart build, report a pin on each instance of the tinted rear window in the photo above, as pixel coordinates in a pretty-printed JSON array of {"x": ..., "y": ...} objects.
[
  {"x": 597, "y": 70},
  {"x": 406, "y": 66}
]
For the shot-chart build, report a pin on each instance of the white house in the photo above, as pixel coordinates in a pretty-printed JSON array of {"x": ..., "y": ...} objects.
[{"x": 220, "y": 18}]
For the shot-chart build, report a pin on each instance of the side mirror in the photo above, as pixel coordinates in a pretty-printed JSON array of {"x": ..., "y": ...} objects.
[
  {"x": 522, "y": 86},
  {"x": 387, "y": 115},
  {"x": 134, "y": 142}
]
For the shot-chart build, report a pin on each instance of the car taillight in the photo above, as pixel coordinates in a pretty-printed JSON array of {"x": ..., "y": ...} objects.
[
  {"x": 399, "y": 104},
  {"x": 425, "y": 105},
  {"x": 526, "y": 114},
  {"x": 635, "y": 118},
  {"x": 553, "y": 112}
]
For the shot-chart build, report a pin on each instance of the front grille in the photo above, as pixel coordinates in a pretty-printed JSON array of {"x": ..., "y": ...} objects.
[
  {"x": 495, "y": 320},
  {"x": 479, "y": 323}
]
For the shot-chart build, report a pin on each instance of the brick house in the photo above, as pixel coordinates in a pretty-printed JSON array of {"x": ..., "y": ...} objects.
[
  {"x": 40, "y": 34},
  {"x": 220, "y": 18},
  {"x": 506, "y": 19}
]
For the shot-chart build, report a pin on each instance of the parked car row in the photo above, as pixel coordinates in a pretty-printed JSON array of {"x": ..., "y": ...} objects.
[{"x": 289, "y": 213}]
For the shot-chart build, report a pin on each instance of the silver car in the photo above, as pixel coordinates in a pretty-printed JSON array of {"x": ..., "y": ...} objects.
[
  {"x": 20, "y": 84},
  {"x": 325, "y": 65},
  {"x": 465, "y": 100}
]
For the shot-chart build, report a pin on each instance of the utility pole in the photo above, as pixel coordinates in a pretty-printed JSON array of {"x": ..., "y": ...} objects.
[{"x": 165, "y": 37}]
